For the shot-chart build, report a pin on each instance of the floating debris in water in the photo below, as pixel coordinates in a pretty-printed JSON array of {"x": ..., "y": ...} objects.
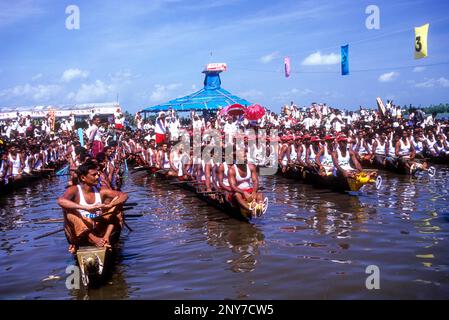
[
  {"x": 52, "y": 277},
  {"x": 425, "y": 256}
]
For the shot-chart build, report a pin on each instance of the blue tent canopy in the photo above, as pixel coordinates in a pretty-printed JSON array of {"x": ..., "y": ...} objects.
[{"x": 211, "y": 97}]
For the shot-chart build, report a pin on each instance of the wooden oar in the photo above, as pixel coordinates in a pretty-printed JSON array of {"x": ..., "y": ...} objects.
[
  {"x": 55, "y": 220},
  {"x": 102, "y": 215},
  {"x": 184, "y": 182},
  {"x": 111, "y": 211},
  {"x": 58, "y": 220},
  {"x": 49, "y": 234}
]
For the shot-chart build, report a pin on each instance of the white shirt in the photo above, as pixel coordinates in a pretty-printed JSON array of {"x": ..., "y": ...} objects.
[
  {"x": 173, "y": 127},
  {"x": 197, "y": 124},
  {"x": 21, "y": 129},
  {"x": 307, "y": 122},
  {"x": 230, "y": 128},
  {"x": 160, "y": 126}
]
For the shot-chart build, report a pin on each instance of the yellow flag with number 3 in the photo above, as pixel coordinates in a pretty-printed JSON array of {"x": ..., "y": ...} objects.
[{"x": 421, "y": 41}]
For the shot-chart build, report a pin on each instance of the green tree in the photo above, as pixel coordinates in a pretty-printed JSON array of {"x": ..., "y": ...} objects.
[{"x": 130, "y": 118}]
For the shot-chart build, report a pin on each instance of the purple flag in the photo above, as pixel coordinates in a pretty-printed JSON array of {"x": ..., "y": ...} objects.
[{"x": 287, "y": 66}]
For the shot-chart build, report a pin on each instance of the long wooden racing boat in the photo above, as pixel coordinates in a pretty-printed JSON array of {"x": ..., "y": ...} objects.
[
  {"x": 26, "y": 180},
  {"x": 216, "y": 199},
  {"x": 440, "y": 159},
  {"x": 340, "y": 184},
  {"x": 399, "y": 168}
]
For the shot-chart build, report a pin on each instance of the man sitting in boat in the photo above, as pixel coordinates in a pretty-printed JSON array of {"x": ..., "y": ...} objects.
[
  {"x": 152, "y": 154},
  {"x": 223, "y": 180},
  {"x": 84, "y": 204},
  {"x": 441, "y": 146},
  {"x": 306, "y": 153},
  {"x": 405, "y": 152},
  {"x": 285, "y": 152},
  {"x": 244, "y": 182},
  {"x": 342, "y": 157},
  {"x": 177, "y": 162},
  {"x": 418, "y": 142},
  {"x": 163, "y": 157},
  {"x": 324, "y": 156},
  {"x": 430, "y": 142},
  {"x": 301, "y": 150},
  {"x": 4, "y": 166},
  {"x": 391, "y": 159},
  {"x": 312, "y": 152},
  {"x": 16, "y": 163},
  {"x": 379, "y": 150},
  {"x": 361, "y": 146}
]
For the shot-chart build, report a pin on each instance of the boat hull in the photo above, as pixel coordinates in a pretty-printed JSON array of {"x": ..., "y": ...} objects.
[
  {"x": 218, "y": 200},
  {"x": 339, "y": 184}
]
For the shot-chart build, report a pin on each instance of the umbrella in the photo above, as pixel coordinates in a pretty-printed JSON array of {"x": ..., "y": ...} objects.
[
  {"x": 234, "y": 110},
  {"x": 254, "y": 112}
]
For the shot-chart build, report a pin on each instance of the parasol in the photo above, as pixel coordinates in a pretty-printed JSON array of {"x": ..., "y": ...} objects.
[
  {"x": 254, "y": 112},
  {"x": 234, "y": 110}
]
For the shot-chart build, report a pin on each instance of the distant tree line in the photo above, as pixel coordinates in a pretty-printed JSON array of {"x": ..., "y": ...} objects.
[
  {"x": 130, "y": 118},
  {"x": 441, "y": 108}
]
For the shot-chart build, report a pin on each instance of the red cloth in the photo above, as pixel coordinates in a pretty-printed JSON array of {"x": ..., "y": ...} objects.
[
  {"x": 119, "y": 126},
  {"x": 250, "y": 190},
  {"x": 160, "y": 138},
  {"x": 97, "y": 147}
]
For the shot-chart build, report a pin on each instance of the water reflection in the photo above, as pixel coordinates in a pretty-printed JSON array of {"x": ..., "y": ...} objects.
[
  {"x": 323, "y": 211},
  {"x": 244, "y": 240},
  {"x": 182, "y": 248},
  {"x": 185, "y": 214}
]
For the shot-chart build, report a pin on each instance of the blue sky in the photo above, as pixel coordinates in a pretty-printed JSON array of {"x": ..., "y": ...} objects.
[{"x": 148, "y": 52}]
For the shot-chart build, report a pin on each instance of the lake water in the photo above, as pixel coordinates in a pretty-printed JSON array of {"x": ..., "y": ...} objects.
[{"x": 311, "y": 244}]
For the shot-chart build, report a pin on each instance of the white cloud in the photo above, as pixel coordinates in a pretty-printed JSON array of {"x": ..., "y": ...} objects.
[
  {"x": 285, "y": 95},
  {"x": 252, "y": 93},
  {"x": 14, "y": 11},
  {"x": 318, "y": 59},
  {"x": 430, "y": 83},
  {"x": 269, "y": 57},
  {"x": 71, "y": 74},
  {"x": 388, "y": 77},
  {"x": 37, "y": 93},
  {"x": 443, "y": 82},
  {"x": 162, "y": 92},
  {"x": 37, "y": 76},
  {"x": 91, "y": 92},
  {"x": 122, "y": 77},
  {"x": 419, "y": 69},
  {"x": 303, "y": 92}
]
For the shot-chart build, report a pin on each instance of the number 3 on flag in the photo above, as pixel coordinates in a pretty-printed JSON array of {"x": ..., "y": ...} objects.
[{"x": 421, "y": 41}]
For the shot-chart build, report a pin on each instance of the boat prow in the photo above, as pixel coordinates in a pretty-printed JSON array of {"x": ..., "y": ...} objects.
[
  {"x": 92, "y": 262},
  {"x": 336, "y": 183}
]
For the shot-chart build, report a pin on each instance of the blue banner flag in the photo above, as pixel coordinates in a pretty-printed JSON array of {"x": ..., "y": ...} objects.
[
  {"x": 345, "y": 60},
  {"x": 81, "y": 136}
]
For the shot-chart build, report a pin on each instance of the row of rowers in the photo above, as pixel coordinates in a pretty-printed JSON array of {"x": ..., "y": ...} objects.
[
  {"x": 343, "y": 155},
  {"x": 31, "y": 156},
  {"x": 338, "y": 155}
]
